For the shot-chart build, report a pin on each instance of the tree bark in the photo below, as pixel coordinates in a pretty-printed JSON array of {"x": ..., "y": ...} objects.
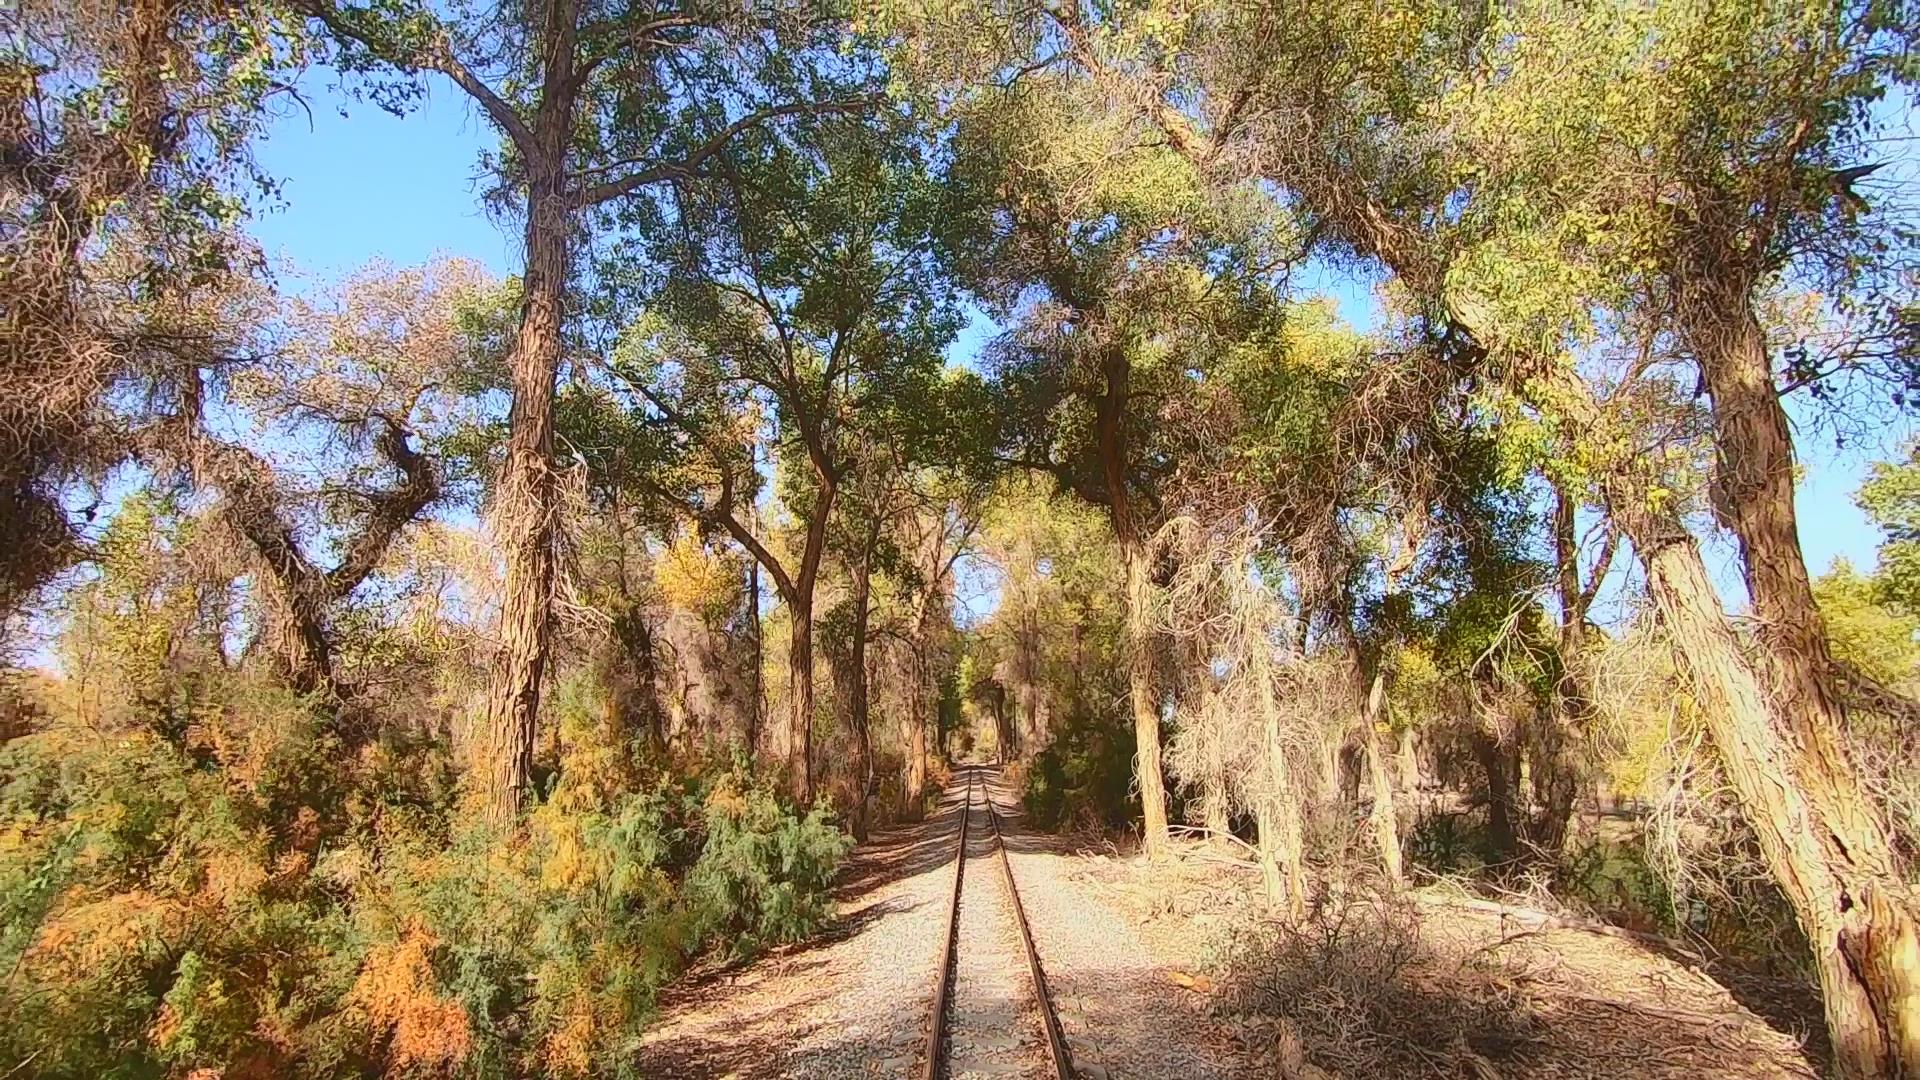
[
  {"x": 1499, "y": 763},
  {"x": 758, "y": 710},
  {"x": 1110, "y": 415},
  {"x": 1146, "y": 714},
  {"x": 1386, "y": 823},
  {"x": 921, "y": 712},
  {"x": 1825, "y": 840},
  {"x": 858, "y": 705},
  {"x": 1815, "y": 830},
  {"x": 1555, "y": 780},
  {"x": 525, "y": 505},
  {"x": 796, "y": 749},
  {"x": 1277, "y": 813}
]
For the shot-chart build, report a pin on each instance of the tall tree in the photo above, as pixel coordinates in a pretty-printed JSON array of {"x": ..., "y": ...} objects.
[
  {"x": 795, "y": 289},
  {"x": 595, "y": 102},
  {"x": 356, "y": 391},
  {"x": 1113, "y": 275},
  {"x": 124, "y": 136},
  {"x": 1343, "y": 127}
]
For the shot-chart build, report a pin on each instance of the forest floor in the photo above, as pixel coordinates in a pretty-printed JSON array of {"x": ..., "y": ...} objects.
[{"x": 1130, "y": 953}]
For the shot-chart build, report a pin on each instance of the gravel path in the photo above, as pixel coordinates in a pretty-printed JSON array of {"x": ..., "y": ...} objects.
[
  {"x": 1123, "y": 1014},
  {"x": 993, "y": 1027},
  {"x": 853, "y": 1003}
]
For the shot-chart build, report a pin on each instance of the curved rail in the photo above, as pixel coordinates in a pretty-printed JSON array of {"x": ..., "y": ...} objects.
[{"x": 1059, "y": 1057}]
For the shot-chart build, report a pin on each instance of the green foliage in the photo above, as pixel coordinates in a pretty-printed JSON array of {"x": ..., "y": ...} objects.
[
  {"x": 763, "y": 873},
  {"x": 1891, "y": 498},
  {"x": 1867, "y": 626},
  {"x": 244, "y": 895},
  {"x": 1084, "y": 778}
]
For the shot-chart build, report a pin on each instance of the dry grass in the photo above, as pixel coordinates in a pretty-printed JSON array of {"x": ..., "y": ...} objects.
[
  {"x": 1355, "y": 989},
  {"x": 1426, "y": 985}
]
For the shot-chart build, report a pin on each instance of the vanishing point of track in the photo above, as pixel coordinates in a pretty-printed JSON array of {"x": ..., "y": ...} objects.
[{"x": 1059, "y": 1060}]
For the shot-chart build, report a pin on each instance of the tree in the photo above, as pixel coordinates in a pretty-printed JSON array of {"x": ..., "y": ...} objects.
[
  {"x": 1891, "y": 499},
  {"x": 595, "y": 103},
  {"x": 1375, "y": 183},
  {"x": 796, "y": 289},
  {"x": 376, "y": 366},
  {"x": 1052, "y": 195},
  {"x": 124, "y": 133}
]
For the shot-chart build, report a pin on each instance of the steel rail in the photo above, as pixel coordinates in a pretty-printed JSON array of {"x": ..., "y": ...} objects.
[
  {"x": 943, "y": 983},
  {"x": 1058, "y": 1053},
  {"x": 1059, "y": 1056}
]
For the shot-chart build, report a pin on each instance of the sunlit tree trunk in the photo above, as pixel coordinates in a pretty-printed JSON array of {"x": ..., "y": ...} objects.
[
  {"x": 1555, "y": 779},
  {"x": 1386, "y": 824},
  {"x": 1824, "y": 840},
  {"x": 1110, "y": 408},
  {"x": 525, "y": 503},
  {"x": 1277, "y": 813},
  {"x": 922, "y": 711},
  {"x": 1815, "y": 830},
  {"x": 1146, "y": 714},
  {"x": 524, "y": 507}
]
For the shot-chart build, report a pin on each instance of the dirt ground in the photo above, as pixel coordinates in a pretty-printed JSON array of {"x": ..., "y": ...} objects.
[
  {"x": 1591, "y": 1001},
  {"x": 1133, "y": 954}
]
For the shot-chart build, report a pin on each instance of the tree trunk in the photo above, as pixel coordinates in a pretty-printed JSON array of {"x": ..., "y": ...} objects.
[
  {"x": 1556, "y": 783},
  {"x": 915, "y": 788},
  {"x": 796, "y": 753},
  {"x": 1498, "y": 761},
  {"x": 1110, "y": 409},
  {"x": 1386, "y": 823},
  {"x": 1277, "y": 813},
  {"x": 858, "y": 703},
  {"x": 1146, "y": 715},
  {"x": 1815, "y": 830},
  {"x": 524, "y": 510},
  {"x": 922, "y": 712},
  {"x": 757, "y": 711}
]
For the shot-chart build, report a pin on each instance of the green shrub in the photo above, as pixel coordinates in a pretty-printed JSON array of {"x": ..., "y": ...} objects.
[
  {"x": 236, "y": 890},
  {"x": 763, "y": 872},
  {"x": 1084, "y": 777}
]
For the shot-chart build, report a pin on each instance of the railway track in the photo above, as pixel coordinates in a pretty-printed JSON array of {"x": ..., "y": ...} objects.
[{"x": 992, "y": 1015}]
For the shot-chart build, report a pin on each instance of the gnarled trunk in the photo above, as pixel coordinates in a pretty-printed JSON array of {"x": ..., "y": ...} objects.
[
  {"x": 1277, "y": 814},
  {"x": 1146, "y": 714},
  {"x": 1815, "y": 830},
  {"x": 524, "y": 509},
  {"x": 1386, "y": 822},
  {"x": 1820, "y": 834}
]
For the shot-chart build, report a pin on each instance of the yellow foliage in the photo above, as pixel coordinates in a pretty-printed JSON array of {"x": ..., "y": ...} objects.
[
  {"x": 396, "y": 990},
  {"x": 81, "y": 940},
  {"x": 694, "y": 579},
  {"x": 232, "y": 877},
  {"x": 724, "y": 800},
  {"x": 569, "y": 1047}
]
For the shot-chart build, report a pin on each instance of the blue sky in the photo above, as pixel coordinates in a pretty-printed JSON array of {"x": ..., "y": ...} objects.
[{"x": 368, "y": 186}]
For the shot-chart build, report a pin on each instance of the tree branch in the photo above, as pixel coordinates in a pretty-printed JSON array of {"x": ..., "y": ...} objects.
[
  {"x": 435, "y": 55},
  {"x": 688, "y": 167}
]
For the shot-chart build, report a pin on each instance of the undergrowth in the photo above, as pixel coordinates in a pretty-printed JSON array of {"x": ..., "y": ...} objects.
[
  {"x": 215, "y": 884},
  {"x": 1351, "y": 987}
]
